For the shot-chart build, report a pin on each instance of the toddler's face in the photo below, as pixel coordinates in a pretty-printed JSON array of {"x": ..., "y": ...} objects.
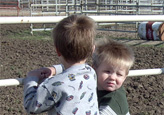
[{"x": 110, "y": 78}]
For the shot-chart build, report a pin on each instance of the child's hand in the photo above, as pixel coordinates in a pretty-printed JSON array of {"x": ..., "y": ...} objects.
[
  {"x": 42, "y": 73},
  {"x": 36, "y": 73},
  {"x": 48, "y": 71}
]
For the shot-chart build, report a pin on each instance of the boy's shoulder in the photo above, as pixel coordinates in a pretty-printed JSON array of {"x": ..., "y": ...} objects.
[
  {"x": 118, "y": 92},
  {"x": 116, "y": 100},
  {"x": 72, "y": 73}
]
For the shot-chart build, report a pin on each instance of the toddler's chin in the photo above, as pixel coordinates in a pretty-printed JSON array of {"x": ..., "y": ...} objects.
[{"x": 110, "y": 89}]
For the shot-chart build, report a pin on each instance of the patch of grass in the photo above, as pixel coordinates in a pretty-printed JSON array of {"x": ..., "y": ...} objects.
[
  {"x": 12, "y": 67},
  {"x": 160, "y": 45},
  {"x": 99, "y": 37},
  {"x": 149, "y": 45},
  {"x": 19, "y": 73},
  {"x": 163, "y": 94},
  {"x": 41, "y": 35},
  {"x": 46, "y": 35},
  {"x": 123, "y": 38}
]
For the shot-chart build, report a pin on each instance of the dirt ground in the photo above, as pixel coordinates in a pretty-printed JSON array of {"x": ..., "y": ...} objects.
[{"x": 145, "y": 93}]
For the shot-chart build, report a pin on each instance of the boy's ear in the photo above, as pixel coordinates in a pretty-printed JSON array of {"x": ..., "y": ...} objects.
[
  {"x": 57, "y": 51},
  {"x": 93, "y": 48}
]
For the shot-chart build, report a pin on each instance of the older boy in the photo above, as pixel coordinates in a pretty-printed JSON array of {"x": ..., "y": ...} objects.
[{"x": 73, "y": 91}]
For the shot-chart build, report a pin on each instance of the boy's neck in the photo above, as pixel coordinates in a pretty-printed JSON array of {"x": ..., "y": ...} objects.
[
  {"x": 72, "y": 64},
  {"x": 69, "y": 64}
]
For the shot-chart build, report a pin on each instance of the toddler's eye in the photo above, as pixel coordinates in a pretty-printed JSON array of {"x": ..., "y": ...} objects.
[
  {"x": 119, "y": 74},
  {"x": 107, "y": 71}
]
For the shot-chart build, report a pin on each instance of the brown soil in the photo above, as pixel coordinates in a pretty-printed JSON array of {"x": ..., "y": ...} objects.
[{"x": 145, "y": 94}]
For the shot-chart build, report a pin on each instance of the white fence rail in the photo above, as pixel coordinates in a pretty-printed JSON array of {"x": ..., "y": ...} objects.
[
  {"x": 102, "y": 19},
  {"x": 132, "y": 73}
]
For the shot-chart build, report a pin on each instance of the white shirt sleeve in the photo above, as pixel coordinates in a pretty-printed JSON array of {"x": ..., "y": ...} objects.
[
  {"x": 59, "y": 68},
  {"x": 107, "y": 110}
]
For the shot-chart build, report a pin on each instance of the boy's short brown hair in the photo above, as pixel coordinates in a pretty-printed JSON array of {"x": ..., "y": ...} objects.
[
  {"x": 74, "y": 37},
  {"x": 113, "y": 52}
]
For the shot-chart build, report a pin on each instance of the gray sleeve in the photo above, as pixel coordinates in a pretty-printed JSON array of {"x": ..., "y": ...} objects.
[{"x": 36, "y": 98}]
